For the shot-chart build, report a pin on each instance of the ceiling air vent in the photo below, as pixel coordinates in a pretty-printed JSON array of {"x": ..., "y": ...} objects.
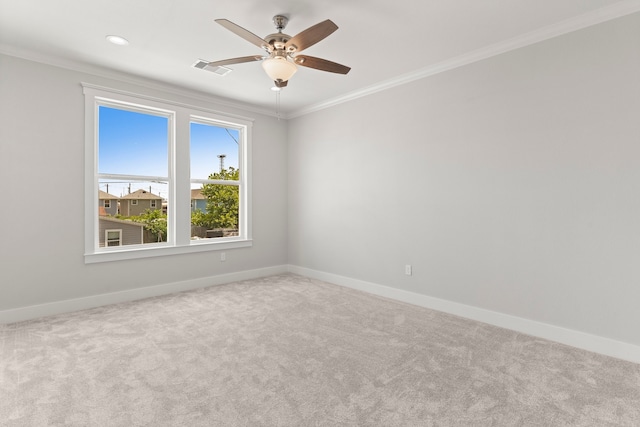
[{"x": 219, "y": 70}]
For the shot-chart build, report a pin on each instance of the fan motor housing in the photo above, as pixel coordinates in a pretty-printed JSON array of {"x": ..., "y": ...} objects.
[{"x": 277, "y": 40}]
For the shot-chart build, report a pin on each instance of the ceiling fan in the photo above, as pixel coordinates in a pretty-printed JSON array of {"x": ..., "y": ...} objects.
[{"x": 282, "y": 49}]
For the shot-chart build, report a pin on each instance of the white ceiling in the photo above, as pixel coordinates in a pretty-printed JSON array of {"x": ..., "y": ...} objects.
[{"x": 383, "y": 41}]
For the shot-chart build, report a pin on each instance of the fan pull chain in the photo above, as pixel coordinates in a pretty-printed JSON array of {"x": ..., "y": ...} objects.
[{"x": 278, "y": 104}]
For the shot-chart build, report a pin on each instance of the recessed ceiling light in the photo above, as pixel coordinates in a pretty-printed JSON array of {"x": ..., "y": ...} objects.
[{"x": 120, "y": 41}]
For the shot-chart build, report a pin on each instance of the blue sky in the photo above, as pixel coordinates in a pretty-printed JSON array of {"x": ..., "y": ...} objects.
[
  {"x": 207, "y": 142},
  {"x": 132, "y": 143}
]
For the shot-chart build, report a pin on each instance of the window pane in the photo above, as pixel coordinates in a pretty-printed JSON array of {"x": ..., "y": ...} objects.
[
  {"x": 138, "y": 209},
  {"x": 214, "y": 156},
  {"x": 214, "y": 150},
  {"x": 132, "y": 143},
  {"x": 214, "y": 211}
]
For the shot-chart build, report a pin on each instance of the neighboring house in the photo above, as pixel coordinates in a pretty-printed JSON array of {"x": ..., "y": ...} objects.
[
  {"x": 198, "y": 201},
  {"x": 118, "y": 232},
  {"x": 138, "y": 202},
  {"x": 108, "y": 202}
]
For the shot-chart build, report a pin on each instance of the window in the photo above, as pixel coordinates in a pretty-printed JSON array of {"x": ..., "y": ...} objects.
[
  {"x": 145, "y": 151},
  {"x": 215, "y": 179},
  {"x": 107, "y": 203},
  {"x": 113, "y": 237}
]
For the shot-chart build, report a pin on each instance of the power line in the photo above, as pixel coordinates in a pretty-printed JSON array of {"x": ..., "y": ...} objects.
[{"x": 232, "y": 137}]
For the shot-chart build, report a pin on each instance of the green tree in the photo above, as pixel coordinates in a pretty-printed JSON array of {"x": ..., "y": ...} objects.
[
  {"x": 200, "y": 218},
  {"x": 222, "y": 202},
  {"x": 155, "y": 221}
]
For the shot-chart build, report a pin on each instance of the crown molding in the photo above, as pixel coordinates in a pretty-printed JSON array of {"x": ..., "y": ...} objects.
[{"x": 570, "y": 25}]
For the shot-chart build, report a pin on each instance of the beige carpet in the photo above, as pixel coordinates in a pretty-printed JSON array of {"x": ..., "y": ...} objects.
[{"x": 290, "y": 351}]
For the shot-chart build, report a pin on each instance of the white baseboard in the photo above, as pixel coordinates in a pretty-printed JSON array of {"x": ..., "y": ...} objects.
[
  {"x": 593, "y": 343},
  {"x": 66, "y": 306},
  {"x": 589, "y": 342}
]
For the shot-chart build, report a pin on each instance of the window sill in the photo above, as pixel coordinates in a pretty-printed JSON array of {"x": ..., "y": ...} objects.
[{"x": 155, "y": 251}]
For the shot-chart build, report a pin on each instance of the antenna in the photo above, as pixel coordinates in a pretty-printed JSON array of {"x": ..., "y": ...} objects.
[{"x": 221, "y": 157}]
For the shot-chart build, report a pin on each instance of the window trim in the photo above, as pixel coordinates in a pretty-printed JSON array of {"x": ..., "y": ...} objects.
[{"x": 179, "y": 241}]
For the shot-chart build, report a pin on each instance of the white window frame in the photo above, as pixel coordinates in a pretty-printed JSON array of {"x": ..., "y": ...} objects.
[
  {"x": 107, "y": 204},
  {"x": 152, "y": 203},
  {"x": 134, "y": 202},
  {"x": 106, "y": 237},
  {"x": 179, "y": 195}
]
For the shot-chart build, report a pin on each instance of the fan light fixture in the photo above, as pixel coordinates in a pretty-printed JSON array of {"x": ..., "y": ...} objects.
[{"x": 278, "y": 68}]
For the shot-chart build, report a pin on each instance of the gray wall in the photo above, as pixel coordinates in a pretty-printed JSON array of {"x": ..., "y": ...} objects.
[
  {"x": 42, "y": 158},
  {"x": 511, "y": 184}
]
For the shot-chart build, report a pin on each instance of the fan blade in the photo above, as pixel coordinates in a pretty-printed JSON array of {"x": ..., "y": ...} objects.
[
  {"x": 245, "y": 34},
  {"x": 310, "y": 36},
  {"x": 235, "y": 61},
  {"x": 321, "y": 64}
]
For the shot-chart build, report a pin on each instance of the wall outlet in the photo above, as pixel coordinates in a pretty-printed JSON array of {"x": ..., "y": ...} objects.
[
  {"x": 407, "y": 269},
  {"x": 223, "y": 256}
]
